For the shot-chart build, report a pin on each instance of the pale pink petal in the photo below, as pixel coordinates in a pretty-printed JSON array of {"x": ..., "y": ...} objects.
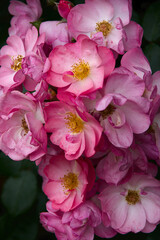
[
  {"x": 136, "y": 219},
  {"x": 134, "y": 34},
  {"x": 55, "y": 191},
  {"x": 135, "y": 117}
]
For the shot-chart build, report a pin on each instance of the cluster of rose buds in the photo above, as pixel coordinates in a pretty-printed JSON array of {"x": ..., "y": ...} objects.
[{"x": 92, "y": 128}]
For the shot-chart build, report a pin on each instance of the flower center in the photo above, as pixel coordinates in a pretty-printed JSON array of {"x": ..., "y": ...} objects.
[
  {"x": 104, "y": 27},
  {"x": 81, "y": 69},
  {"x": 24, "y": 126},
  {"x": 16, "y": 66},
  {"x": 74, "y": 123},
  {"x": 132, "y": 197},
  {"x": 70, "y": 181},
  {"x": 108, "y": 111}
]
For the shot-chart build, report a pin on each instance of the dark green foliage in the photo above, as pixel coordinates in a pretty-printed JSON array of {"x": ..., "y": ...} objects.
[{"x": 19, "y": 192}]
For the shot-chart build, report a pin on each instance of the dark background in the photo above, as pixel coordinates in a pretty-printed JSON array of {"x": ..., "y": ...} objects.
[{"x": 20, "y": 185}]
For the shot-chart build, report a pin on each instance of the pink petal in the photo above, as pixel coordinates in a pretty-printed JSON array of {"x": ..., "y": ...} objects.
[{"x": 136, "y": 219}]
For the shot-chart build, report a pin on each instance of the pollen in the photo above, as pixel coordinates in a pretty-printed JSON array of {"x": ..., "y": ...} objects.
[
  {"x": 24, "y": 126},
  {"x": 70, "y": 181},
  {"x": 74, "y": 123},
  {"x": 132, "y": 197},
  {"x": 17, "y": 62},
  {"x": 81, "y": 70},
  {"x": 108, "y": 111},
  {"x": 104, "y": 27}
]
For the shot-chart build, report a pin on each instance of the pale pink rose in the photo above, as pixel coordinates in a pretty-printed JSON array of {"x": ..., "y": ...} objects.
[
  {"x": 56, "y": 33},
  {"x": 122, "y": 110},
  {"x": 80, "y": 67},
  {"x": 18, "y": 58},
  {"x": 23, "y": 15},
  {"x": 22, "y": 134},
  {"x": 66, "y": 182},
  {"x": 73, "y": 131},
  {"x": 133, "y": 206},
  {"x": 64, "y": 8},
  {"x": 102, "y": 21},
  {"x": 133, "y": 36}
]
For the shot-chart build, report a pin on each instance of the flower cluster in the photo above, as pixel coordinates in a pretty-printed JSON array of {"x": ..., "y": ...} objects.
[{"x": 78, "y": 97}]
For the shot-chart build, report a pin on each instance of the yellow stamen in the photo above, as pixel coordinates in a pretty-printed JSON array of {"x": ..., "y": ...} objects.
[
  {"x": 81, "y": 70},
  {"x": 132, "y": 197},
  {"x": 52, "y": 93},
  {"x": 74, "y": 123},
  {"x": 70, "y": 181},
  {"x": 24, "y": 126},
  {"x": 104, "y": 27},
  {"x": 16, "y": 66},
  {"x": 108, "y": 111}
]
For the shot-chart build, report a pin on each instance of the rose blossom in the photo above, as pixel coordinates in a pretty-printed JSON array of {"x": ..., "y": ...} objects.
[
  {"x": 123, "y": 110},
  {"x": 133, "y": 206},
  {"x": 119, "y": 164},
  {"x": 21, "y": 127},
  {"x": 102, "y": 21},
  {"x": 80, "y": 67},
  {"x": 73, "y": 131},
  {"x": 23, "y": 16},
  {"x": 66, "y": 182},
  {"x": 73, "y": 225},
  {"x": 135, "y": 61},
  {"x": 56, "y": 33},
  {"x": 17, "y": 59},
  {"x": 64, "y": 8}
]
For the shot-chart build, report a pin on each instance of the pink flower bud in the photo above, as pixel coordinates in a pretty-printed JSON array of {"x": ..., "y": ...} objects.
[{"x": 64, "y": 8}]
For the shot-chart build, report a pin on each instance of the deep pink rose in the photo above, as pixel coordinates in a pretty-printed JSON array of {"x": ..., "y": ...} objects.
[{"x": 66, "y": 182}]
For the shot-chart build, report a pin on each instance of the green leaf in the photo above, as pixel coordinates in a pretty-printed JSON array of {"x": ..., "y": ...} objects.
[
  {"x": 8, "y": 167},
  {"x": 152, "y": 52},
  {"x": 19, "y": 193},
  {"x": 151, "y": 22}
]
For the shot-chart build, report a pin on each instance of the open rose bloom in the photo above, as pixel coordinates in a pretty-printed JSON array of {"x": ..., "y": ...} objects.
[{"x": 78, "y": 97}]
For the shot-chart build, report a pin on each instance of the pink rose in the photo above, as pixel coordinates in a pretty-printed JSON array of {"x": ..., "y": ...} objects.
[
  {"x": 133, "y": 206},
  {"x": 103, "y": 21},
  {"x": 66, "y": 182},
  {"x": 23, "y": 15},
  {"x": 73, "y": 131},
  {"x": 64, "y": 8},
  {"x": 22, "y": 134},
  {"x": 18, "y": 60},
  {"x": 80, "y": 67}
]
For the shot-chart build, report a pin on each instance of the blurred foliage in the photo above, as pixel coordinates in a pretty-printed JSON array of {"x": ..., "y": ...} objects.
[{"x": 22, "y": 198}]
